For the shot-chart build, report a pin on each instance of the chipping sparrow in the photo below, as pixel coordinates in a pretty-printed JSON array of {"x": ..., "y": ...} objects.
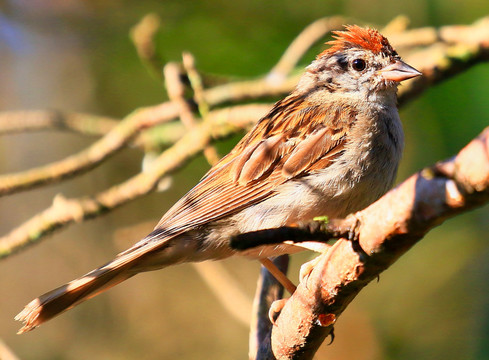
[{"x": 331, "y": 147}]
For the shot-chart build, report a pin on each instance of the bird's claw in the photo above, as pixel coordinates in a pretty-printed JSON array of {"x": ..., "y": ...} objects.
[
  {"x": 354, "y": 230},
  {"x": 331, "y": 334},
  {"x": 307, "y": 268},
  {"x": 275, "y": 309}
]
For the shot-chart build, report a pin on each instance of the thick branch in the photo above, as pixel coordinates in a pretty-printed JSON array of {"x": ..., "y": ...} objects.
[{"x": 383, "y": 232}]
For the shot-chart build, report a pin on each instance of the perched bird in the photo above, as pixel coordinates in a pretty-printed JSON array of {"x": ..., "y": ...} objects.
[{"x": 330, "y": 148}]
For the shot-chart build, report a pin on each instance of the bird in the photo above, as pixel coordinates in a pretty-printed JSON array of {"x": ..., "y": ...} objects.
[{"x": 330, "y": 148}]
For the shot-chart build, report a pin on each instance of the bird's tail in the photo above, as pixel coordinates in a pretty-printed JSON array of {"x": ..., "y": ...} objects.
[
  {"x": 125, "y": 265},
  {"x": 65, "y": 297}
]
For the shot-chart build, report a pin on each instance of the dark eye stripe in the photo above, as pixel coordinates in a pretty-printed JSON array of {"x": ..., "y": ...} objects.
[{"x": 342, "y": 61}]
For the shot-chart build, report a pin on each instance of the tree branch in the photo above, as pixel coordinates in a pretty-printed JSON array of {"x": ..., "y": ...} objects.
[
  {"x": 381, "y": 234},
  {"x": 220, "y": 282},
  {"x": 116, "y": 139},
  {"x": 6, "y": 353},
  {"x": 63, "y": 212},
  {"x": 39, "y": 120},
  {"x": 268, "y": 290},
  {"x": 142, "y": 36}
]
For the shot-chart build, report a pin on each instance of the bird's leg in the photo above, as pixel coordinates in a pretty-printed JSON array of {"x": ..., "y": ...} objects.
[{"x": 278, "y": 274}]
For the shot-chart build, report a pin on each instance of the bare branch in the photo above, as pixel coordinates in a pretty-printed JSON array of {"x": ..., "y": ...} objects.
[
  {"x": 268, "y": 291},
  {"x": 176, "y": 92},
  {"x": 88, "y": 158},
  {"x": 36, "y": 120},
  {"x": 154, "y": 138},
  {"x": 6, "y": 353},
  {"x": 142, "y": 35},
  {"x": 66, "y": 211},
  {"x": 441, "y": 62},
  {"x": 216, "y": 276},
  {"x": 210, "y": 151},
  {"x": 196, "y": 83}
]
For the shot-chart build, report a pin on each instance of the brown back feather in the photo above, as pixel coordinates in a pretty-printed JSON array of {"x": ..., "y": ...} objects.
[{"x": 303, "y": 136}]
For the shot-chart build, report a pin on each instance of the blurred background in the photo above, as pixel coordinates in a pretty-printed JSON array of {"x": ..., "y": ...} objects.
[{"x": 76, "y": 55}]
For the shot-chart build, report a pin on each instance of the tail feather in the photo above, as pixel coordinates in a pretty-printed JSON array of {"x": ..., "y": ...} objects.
[
  {"x": 146, "y": 255},
  {"x": 65, "y": 297}
]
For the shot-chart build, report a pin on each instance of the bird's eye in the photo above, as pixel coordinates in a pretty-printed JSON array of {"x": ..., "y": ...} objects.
[{"x": 358, "y": 64}]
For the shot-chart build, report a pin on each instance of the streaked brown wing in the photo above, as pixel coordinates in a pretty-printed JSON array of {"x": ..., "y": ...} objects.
[{"x": 295, "y": 138}]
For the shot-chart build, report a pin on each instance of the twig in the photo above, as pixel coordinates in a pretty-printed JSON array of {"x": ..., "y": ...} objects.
[
  {"x": 6, "y": 353},
  {"x": 88, "y": 158},
  {"x": 474, "y": 34},
  {"x": 210, "y": 151},
  {"x": 39, "y": 120},
  {"x": 142, "y": 35},
  {"x": 441, "y": 65},
  {"x": 226, "y": 289},
  {"x": 155, "y": 138},
  {"x": 176, "y": 92},
  {"x": 24, "y": 121},
  {"x": 251, "y": 89},
  {"x": 196, "y": 83}
]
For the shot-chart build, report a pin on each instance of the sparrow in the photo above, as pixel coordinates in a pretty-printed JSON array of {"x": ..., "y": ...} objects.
[{"x": 330, "y": 148}]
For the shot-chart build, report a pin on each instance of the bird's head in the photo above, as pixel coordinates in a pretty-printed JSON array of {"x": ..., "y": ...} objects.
[{"x": 360, "y": 61}]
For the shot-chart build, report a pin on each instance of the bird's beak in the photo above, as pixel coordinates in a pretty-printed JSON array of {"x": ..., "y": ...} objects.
[{"x": 399, "y": 71}]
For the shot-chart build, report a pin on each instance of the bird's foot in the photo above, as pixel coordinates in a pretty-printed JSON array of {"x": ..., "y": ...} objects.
[{"x": 275, "y": 310}]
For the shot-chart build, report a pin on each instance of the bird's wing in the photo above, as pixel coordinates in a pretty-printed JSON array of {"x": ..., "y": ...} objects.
[{"x": 293, "y": 140}]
